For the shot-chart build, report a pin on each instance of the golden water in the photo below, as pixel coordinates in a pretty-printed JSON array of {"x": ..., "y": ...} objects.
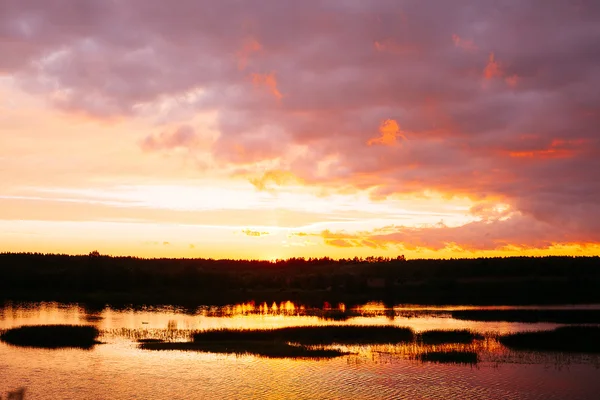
[{"x": 118, "y": 369}]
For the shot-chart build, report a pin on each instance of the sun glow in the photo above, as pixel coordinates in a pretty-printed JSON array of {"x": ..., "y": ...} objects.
[{"x": 243, "y": 152}]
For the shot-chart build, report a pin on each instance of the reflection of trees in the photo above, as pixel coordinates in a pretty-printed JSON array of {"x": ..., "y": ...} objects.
[
  {"x": 172, "y": 325},
  {"x": 92, "y": 312}
]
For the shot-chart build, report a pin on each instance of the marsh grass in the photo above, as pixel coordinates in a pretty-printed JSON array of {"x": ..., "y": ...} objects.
[
  {"x": 334, "y": 315},
  {"x": 313, "y": 335},
  {"x": 52, "y": 336},
  {"x": 532, "y": 316},
  {"x": 269, "y": 349},
  {"x": 307, "y": 341},
  {"x": 289, "y": 342},
  {"x": 150, "y": 340},
  {"x": 149, "y": 333},
  {"x": 449, "y": 357},
  {"x": 584, "y": 339},
  {"x": 462, "y": 336}
]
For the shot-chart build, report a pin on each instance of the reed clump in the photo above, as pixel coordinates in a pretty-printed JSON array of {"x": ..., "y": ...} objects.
[
  {"x": 288, "y": 342},
  {"x": 459, "y": 336},
  {"x": 267, "y": 349},
  {"x": 585, "y": 339},
  {"x": 306, "y": 341},
  {"x": 52, "y": 336},
  {"x": 313, "y": 335}
]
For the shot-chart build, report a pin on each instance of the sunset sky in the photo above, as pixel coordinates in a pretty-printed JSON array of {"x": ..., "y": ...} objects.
[{"x": 274, "y": 129}]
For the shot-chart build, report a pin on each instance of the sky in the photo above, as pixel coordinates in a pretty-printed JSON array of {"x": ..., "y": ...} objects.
[{"x": 273, "y": 129}]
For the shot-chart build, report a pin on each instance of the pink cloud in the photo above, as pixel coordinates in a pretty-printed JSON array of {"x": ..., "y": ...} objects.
[
  {"x": 268, "y": 80},
  {"x": 183, "y": 137},
  {"x": 465, "y": 44},
  {"x": 512, "y": 80},
  {"x": 338, "y": 70},
  {"x": 249, "y": 47},
  {"x": 493, "y": 234}
]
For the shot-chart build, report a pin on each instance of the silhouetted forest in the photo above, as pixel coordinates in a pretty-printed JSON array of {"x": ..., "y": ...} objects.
[{"x": 105, "y": 279}]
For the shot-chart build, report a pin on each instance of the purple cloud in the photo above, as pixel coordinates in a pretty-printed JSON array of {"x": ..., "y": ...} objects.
[{"x": 495, "y": 100}]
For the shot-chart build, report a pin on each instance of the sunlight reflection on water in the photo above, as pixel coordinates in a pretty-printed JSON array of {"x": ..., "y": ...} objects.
[
  {"x": 250, "y": 315},
  {"x": 119, "y": 369}
]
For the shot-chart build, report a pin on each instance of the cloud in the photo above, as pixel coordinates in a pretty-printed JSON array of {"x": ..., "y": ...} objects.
[
  {"x": 250, "y": 46},
  {"x": 492, "y": 69},
  {"x": 512, "y": 80},
  {"x": 528, "y": 138},
  {"x": 391, "y": 46},
  {"x": 465, "y": 44},
  {"x": 182, "y": 137},
  {"x": 345, "y": 239},
  {"x": 390, "y": 132},
  {"x": 516, "y": 232},
  {"x": 252, "y": 233},
  {"x": 276, "y": 177},
  {"x": 268, "y": 80}
]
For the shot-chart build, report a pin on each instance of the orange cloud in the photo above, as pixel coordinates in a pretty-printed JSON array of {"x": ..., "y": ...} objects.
[
  {"x": 250, "y": 46},
  {"x": 300, "y": 234},
  {"x": 467, "y": 45},
  {"x": 276, "y": 177},
  {"x": 252, "y": 233},
  {"x": 390, "y": 132},
  {"x": 270, "y": 81},
  {"x": 345, "y": 240},
  {"x": 558, "y": 149},
  {"x": 492, "y": 69},
  {"x": 340, "y": 243},
  {"x": 517, "y": 232}
]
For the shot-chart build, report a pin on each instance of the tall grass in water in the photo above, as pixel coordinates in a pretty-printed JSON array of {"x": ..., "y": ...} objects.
[
  {"x": 157, "y": 334},
  {"x": 312, "y": 335},
  {"x": 52, "y": 336},
  {"x": 277, "y": 342},
  {"x": 584, "y": 339},
  {"x": 267, "y": 349},
  {"x": 300, "y": 341}
]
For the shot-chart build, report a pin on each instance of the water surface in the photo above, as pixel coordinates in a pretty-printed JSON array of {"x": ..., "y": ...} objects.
[{"x": 118, "y": 369}]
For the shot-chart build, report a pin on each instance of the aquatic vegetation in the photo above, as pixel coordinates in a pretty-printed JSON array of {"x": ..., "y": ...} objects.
[
  {"x": 449, "y": 357},
  {"x": 530, "y": 315},
  {"x": 267, "y": 349},
  {"x": 567, "y": 338},
  {"x": 313, "y": 335},
  {"x": 150, "y": 340},
  {"x": 436, "y": 336},
  {"x": 334, "y": 315},
  {"x": 289, "y": 342},
  {"x": 52, "y": 336},
  {"x": 146, "y": 333}
]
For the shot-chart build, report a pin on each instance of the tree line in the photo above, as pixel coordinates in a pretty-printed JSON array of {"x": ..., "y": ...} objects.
[{"x": 482, "y": 280}]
